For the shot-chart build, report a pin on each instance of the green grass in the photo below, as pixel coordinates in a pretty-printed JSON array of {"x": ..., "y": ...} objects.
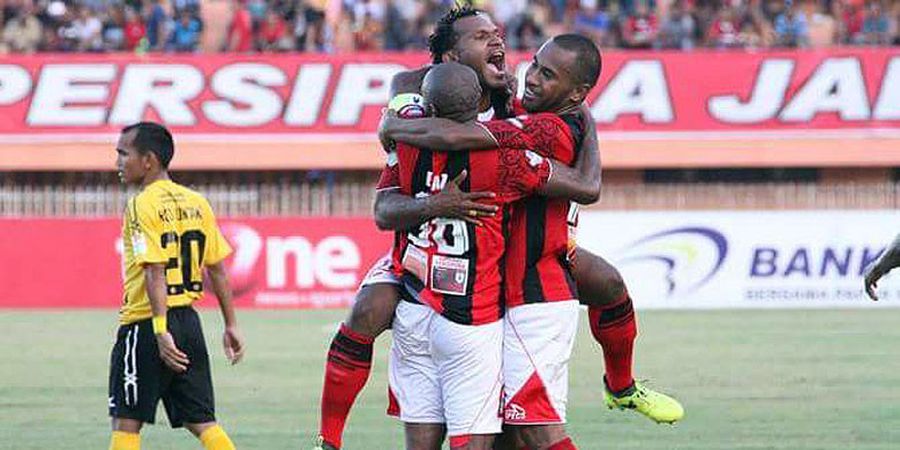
[{"x": 748, "y": 379}]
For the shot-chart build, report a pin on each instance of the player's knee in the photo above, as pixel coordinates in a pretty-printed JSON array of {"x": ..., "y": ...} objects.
[
  {"x": 599, "y": 282},
  {"x": 373, "y": 311},
  {"x": 542, "y": 436},
  {"x": 127, "y": 425}
]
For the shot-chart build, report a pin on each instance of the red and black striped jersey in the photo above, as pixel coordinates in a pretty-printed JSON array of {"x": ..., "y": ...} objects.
[
  {"x": 456, "y": 267},
  {"x": 537, "y": 265}
]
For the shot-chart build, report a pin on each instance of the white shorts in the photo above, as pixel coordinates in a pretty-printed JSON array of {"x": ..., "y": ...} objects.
[
  {"x": 444, "y": 372},
  {"x": 537, "y": 345},
  {"x": 380, "y": 273},
  {"x": 414, "y": 388}
]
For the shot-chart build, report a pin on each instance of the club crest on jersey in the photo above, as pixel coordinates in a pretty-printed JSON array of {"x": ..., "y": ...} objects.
[{"x": 436, "y": 182}]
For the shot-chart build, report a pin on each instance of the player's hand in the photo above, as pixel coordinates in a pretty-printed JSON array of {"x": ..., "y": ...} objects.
[
  {"x": 233, "y": 343},
  {"x": 171, "y": 356},
  {"x": 384, "y": 127},
  {"x": 873, "y": 274},
  {"x": 453, "y": 203}
]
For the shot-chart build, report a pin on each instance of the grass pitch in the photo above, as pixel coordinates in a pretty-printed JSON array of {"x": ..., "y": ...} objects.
[{"x": 748, "y": 379}]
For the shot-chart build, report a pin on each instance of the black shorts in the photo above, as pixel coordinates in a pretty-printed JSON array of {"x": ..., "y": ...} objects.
[{"x": 138, "y": 379}]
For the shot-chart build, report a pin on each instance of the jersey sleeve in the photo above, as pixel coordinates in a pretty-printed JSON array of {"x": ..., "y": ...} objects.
[
  {"x": 509, "y": 134},
  {"x": 217, "y": 247},
  {"x": 147, "y": 231},
  {"x": 390, "y": 174},
  {"x": 550, "y": 135},
  {"x": 521, "y": 173}
]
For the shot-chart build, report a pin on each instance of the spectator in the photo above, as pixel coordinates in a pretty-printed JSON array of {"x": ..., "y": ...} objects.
[
  {"x": 86, "y": 30},
  {"x": 134, "y": 29},
  {"x": 273, "y": 35},
  {"x": 639, "y": 30},
  {"x": 156, "y": 20},
  {"x": 185, "y": 35},
  {"x": 591, "y": 21},
  {"x": 394, "y": 27},
  {"x": 679, "y": 30},
  {"x": 876, "y": 26},
  {"x": 822, "y": 27},
  {"x": 366, "y": 37},
  {"x": 240, "y": 32},
  {"x": 724, "y": 30},
  {"x": 791, "y": 28},
  {"x": 114, "y": 29},
  {"x": 528, "y": 34},
  {"x": 23, "y": 32}
]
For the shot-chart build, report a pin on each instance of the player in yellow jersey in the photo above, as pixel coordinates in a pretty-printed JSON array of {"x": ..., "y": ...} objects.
[{"x": 170, "y": 236}]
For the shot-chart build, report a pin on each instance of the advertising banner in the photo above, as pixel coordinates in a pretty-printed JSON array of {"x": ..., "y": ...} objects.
[
  {"x": 670, "y": 260},
  {"x": 653, "y": 109},
  {"x": 278, "y": 262},
  {"x": 754, "y": 259}
]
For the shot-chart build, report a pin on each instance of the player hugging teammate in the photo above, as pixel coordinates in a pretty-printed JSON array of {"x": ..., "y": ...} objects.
[{"x": 483, "y": 266}]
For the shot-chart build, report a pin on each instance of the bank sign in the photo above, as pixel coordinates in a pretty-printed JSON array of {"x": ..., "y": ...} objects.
[{"x": 745, "y": 259}]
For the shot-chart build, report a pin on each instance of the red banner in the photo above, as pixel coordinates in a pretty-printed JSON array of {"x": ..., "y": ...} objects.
[
  {"x": 653, "y": 109},
  {"x": 284, "y": 262},
  {"x": 638, "y": 91}
]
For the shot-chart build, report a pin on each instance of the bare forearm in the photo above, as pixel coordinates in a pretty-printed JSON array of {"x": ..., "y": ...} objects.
[
  {"x": 155, "y": 279},
  {"x": 587, "y": 165},
  {"x": 440, "y": 134},
  {"x": 565, "y": 182},
  {"x": 395, "y": 211},
  {"x": 891, "y": 257},
  {"x": 219, "y": 278}
]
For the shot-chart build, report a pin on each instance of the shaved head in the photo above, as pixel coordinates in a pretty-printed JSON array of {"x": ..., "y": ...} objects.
[{"x": 452, "y": 91}]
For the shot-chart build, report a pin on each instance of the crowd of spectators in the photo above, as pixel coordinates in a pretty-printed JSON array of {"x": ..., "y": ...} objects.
[{"x": 334, "y": 26}]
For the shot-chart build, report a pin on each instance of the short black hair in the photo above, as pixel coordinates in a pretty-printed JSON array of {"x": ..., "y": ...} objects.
[
  {"x": 151, "y": 137},
  {"x": 453, "y": 89},
  {"x": 444, "y": 37},
  {"x": 587, "y": 61}
]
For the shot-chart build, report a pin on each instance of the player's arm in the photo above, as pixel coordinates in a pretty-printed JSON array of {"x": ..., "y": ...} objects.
[
  {"x": 396, "y": 211},
  {"x": 888, "y": 261},
  {"x": 149, "y": 253},
  {"x": 435, "y": 132},
  {"x": 214, "y": 254},
  {"x": 586, "y": 170},
  {"x": 155, "y": 280},
  {"x": 566, "y": 182},
  {"x": 232, "y": 341}
]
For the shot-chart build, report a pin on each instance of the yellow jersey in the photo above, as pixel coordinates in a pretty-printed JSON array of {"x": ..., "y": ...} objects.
[{"x": 167, "y": 223}]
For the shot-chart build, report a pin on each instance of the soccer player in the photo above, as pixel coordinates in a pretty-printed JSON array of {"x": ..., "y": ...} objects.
[
  {"x": 542, "y": 306},
  {"x": 470, "y": 37},
  {"x": 170, "y": 236},
  {"x": 888, "y": 261},
  {"x": 447, "y": 365}
]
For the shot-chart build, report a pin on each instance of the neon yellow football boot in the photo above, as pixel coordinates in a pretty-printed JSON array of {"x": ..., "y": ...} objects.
[{"x": 657, "y": 406}]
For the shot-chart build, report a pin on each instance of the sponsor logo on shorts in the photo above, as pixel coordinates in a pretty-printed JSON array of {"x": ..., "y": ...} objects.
[{"x": 514, "y": 412}]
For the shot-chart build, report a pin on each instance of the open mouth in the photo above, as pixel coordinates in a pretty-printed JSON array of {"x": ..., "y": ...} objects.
[
  {"x": 528, "y": 94},
  {"x": 497, "y": 60}
]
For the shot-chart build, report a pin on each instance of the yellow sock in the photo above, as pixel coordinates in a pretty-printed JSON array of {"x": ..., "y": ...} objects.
[
  {"x": 215, "y": 438},
  {"x": 122, "y": 440}
]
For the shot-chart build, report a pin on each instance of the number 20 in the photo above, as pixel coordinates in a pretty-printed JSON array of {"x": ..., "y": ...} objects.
[{"x": 185, "y": 258}]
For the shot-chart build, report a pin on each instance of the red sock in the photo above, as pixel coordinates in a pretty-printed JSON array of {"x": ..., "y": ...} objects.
[
  {"x": 565, "y": 444},
  {"x": 346, "y": 371},
  {"x": 615, "y": 328}
]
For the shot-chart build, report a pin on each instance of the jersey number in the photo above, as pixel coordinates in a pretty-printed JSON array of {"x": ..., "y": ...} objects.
[
  {"x": 450, "y": 236},
  {"x": 184, "y": 260}
]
